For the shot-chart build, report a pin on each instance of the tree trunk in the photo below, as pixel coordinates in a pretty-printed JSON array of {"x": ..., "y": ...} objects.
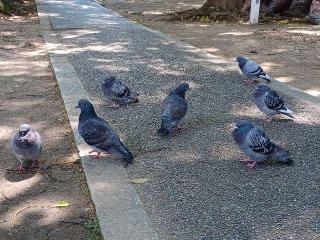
[{"x": 314, "y": 14}]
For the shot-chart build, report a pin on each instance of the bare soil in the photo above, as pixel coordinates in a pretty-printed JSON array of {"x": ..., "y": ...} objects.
[
  {"x": 29, "y": 94},
  {"x": 288, "y": 51}
]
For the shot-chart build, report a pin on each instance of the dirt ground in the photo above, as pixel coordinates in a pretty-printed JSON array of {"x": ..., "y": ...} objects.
[
  {"x": 29, "y": 94},
  {"x": 289, "y": 52}
]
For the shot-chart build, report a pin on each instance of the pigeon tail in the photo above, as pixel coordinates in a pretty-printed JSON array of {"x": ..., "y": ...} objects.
[
  {"x": 163, "y": 131},
  {"x": 265, "y": 77},
  {"x": 287, "y": 112},
  {"x": 127, "y": 155},
  {"x": 281, "y": 155}
]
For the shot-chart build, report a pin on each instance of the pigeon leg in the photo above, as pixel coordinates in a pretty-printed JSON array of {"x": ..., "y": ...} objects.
[
  {"x": 249, "y": 81},
  {"x": 252, "y": 164},
  {"x": 34, "y": 164},
  {"x": 245, "y": 159},
  {"x": 95, "y": 151},
  {"x": 21, "y": 168},
  {"x": 114, "y": 105}
]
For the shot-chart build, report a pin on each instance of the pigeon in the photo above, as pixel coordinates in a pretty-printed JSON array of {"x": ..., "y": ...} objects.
[
  {"x": 26, "y": 145},
  {"x": 256, "y": 145},
  {"x": 117, "y": 92},
  {"x": 269, "y": 102},
  {"x": 252, "y": 70},
  {"x": 174, "y": 108},
  {"x": 97, "y": 133}
]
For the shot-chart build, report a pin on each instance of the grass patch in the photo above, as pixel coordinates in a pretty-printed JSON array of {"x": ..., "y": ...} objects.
[
  {"x": 17, "y": 7},
  {"x": 93, "y": 231}
]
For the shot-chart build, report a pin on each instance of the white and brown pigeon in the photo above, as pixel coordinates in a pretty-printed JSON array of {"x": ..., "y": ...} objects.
[{"x": 26, "y": 144}]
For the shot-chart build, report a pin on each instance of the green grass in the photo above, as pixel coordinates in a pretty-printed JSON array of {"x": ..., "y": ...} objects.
[
  {"x": 85, "y": 191},
  {"x": 93, "y": 230}
]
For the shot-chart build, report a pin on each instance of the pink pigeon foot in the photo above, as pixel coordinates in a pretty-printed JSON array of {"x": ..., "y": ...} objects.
[
  {"x": 34, "y": 164},
  {"x": 95, "y": 151},
  {"x": 245, "y": 159},
  {"x": 21, "y": 168},
  {"x": 114, "y": 105},
  {"x": 252, "y": 164},
  {"x": 249, "y": 81}
]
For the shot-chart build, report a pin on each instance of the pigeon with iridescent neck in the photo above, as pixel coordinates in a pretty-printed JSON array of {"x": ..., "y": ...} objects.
[
  {"x": 256, "y": 145},
  {"x": 252, "y": 70},
  {"x": 270, "y": 103},
  {"x": 26, "y": 144},
  {"x": 97, "y": 133}
]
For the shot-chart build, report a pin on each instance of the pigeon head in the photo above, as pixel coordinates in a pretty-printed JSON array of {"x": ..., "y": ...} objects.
[
  {"x": 241, "y": 61},
  {"x": 244, "y": 123},
  {"x": 182, "y": 89},
  {"x": 84, "y": 104},
  {"x": 87, "y": 109},
  {"x": 23, "y": 131}
]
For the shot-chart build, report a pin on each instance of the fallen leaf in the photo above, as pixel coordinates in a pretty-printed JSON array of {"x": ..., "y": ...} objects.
[
  {"x": 61, "y": 204},
  {"x": 139, "y": 180}
]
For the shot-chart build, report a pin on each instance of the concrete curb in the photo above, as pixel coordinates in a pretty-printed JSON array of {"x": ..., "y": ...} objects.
[{"x": 119, "y": 210}]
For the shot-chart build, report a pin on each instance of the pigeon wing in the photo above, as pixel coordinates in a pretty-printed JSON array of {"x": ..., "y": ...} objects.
[
  {"x": 273, "y": 101},
  {"x": 118, "y": 89},
  {"x": 173, "y": 110},
  {"x": 253, "y": 69},
  {"x": 94, "y": 132},
  {"x": 259, "y": 142}
]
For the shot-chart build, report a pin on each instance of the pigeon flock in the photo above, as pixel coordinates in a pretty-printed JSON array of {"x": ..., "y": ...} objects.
[{"x": 26, "y": 144}]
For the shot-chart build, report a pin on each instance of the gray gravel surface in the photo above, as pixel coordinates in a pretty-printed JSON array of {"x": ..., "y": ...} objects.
[{"x": 197, "y": 187}]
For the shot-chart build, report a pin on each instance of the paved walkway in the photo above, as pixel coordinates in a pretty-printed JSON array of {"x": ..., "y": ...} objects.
[{"x": 197, "y": 187}]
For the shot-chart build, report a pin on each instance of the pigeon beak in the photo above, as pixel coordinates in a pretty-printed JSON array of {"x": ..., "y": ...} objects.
[{"x": 77, "y": 107}]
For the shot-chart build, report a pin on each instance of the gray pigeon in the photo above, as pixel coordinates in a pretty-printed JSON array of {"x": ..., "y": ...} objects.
[
  {"x": 97, "y": 133},
  {"x": 256, "y": 144},
  {"x": 252, "y": 70},
  {"x": 26, "y": 144},
  {"x": 269, "y": 102},
  {"x": 174, "y": 108},
  {"x": 117, "y": 92}
]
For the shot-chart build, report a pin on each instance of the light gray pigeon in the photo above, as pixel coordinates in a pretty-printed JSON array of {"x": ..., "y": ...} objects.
[
  {"x": 256, "y": 145},
  {"x": 26, "y": 144},
  {"x": 269, "y": 102},
  {"x": 174, "y": 108},
  {"x": 251, "y": 70},
  {"x": 117, "y": 92},
  {"x": 97, "y": 133}
]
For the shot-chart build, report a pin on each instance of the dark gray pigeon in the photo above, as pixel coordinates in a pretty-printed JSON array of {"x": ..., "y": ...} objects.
[
  {"x": 256, "y": 144},
  {"x": 269, "y": 102},
  {"x": 26, "y": 144},
  {"x": 251, "y": 70},
  {"x": 174, "y": 108},
  {"x": 117, "y": 92},
  {"x": 97, "y": 133}
]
